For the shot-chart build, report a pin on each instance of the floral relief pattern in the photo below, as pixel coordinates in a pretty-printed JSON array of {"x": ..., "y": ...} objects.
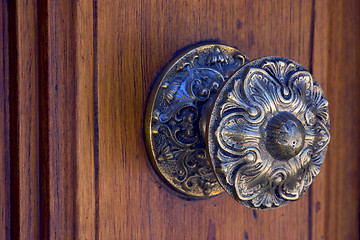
[
  {"x": 271, "y": 133},
  {"x": 178, "y": 149}
]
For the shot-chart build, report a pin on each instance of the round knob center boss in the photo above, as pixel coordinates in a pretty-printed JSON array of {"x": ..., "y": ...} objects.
[
  {"x": 257, "y": 129},
  {"x": 284, "y": 135}
]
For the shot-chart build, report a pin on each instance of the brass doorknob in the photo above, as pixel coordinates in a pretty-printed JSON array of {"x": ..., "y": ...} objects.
[{"x": 257, "y": 129}]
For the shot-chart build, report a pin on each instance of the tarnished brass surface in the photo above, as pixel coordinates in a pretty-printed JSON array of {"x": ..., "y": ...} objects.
[
  {"x": 174, "y": 144},
  {"x": 260, "y": 130},
  {"x": 268, "y": 132}
]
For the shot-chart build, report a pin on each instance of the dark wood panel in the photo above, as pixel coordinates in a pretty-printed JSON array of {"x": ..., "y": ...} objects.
[
  {"x": 66, "y": 125},
  {"x": 48, "y": 108},
  {"x": 70, "y": 192},
  {"x": 5, "y": 220},
  {"x": 61, "y": 89}
]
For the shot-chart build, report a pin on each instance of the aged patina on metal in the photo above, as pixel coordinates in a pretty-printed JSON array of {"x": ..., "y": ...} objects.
[
  {"x": 268, "y": 132},
  {"x": 265, "y": 132},
  {"x": 174, "y": 144}
]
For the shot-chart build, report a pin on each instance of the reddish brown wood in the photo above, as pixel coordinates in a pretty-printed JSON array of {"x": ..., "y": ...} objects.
[
  {"x": 66, "y": 139},
  {"x": 318, "y": 66},
  {"x": 70, "y": 209},
  {"x": 86, "y": 203},
  {"x": 24, "y": 123},
  {"x": 335, "y": 201},
  {"x": 343, "y": 169},
  {"x": 143, "y": 38},
  {"x": 75, "y": 78}
]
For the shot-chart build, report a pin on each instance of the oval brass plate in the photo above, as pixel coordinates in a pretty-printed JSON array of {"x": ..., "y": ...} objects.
[{"x": 175, "y": 146}]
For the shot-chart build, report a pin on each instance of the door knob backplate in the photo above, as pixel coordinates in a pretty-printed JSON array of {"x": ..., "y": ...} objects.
[
  {"x": 259, "y": 130},
  {"x": 175, "y": 146}
]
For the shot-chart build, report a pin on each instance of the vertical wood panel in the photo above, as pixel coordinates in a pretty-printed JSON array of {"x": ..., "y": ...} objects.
[
  {"x": 61, "y": 119},
  {"x": 85, "y": 166},
  {"x": 43, "y": 74},
  {"x": 318, "y": 67},
  {"x": 26, "y": 185},
  {"x": 343, "y": 169},
  {"x": 143, "y": 37},
  {"x": 65, "y": 206},
  {"x": 71, "y": 190},
  {"x": 5, "y": 223},
  {"x": 74, "y": 81}
]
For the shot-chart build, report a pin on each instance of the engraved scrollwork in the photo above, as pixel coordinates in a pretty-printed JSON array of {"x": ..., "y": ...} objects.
[
  {"x": 178, "y": 149},
  {"x": 271, "y": 131}
]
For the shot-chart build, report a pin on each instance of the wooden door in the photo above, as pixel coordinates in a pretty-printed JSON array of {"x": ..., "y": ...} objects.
[{"x": 75, "y": 76}]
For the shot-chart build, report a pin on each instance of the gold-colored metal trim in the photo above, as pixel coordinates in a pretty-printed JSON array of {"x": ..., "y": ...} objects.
[
  {"x": 258, "y": 129},
  {"x": 268, "y": 132},
  {"x": 172, "y": 134}
]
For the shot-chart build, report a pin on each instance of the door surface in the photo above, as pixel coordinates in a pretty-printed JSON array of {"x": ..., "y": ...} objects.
[{"x": 75, "y": 77}]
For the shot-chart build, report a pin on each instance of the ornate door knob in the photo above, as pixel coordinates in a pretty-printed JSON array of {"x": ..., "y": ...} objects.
[{"x": 257, "y": 129}]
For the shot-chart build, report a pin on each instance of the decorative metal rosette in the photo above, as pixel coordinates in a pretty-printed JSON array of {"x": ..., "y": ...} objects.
[
  {"x": 172, "y": 134},
  {"x": 268, "y": 132}
]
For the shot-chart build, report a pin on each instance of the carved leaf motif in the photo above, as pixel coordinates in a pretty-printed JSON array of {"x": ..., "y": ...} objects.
[
  {"x": 178, "y": 148},
  {"x": 171, "y": 90},
  {"x": 276, "y": 90}
]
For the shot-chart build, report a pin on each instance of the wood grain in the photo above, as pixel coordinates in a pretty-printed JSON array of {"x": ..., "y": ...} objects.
[
  {"x": 318, "y": 66},
  {"x": 5, "y": 198},
  {"x": 70, "y": 209},
  {"x": 144, "y": 36},
  {"x": 74, "y": 83},
  {"x": 85, "y": 146},
  {"x": 24, "y": 121},
  {"x": 61, "y": 119},
  {"x": 343, "y": 173}
]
